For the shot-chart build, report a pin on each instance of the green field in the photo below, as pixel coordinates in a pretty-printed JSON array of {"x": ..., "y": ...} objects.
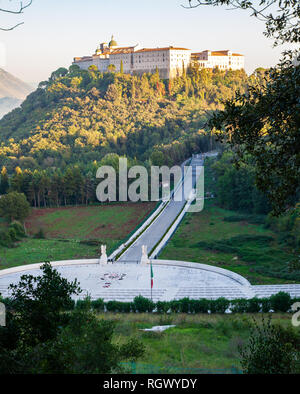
[
  {"x": 197, "y": 341},
  {"x": 69, "y": 230},
  {"x": 244, "y": 248}
]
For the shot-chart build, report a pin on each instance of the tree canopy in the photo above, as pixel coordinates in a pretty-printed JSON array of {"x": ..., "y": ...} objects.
[{"x": 264, "y": 121}]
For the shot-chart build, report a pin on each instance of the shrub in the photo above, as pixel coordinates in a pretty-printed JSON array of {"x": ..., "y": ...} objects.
[
  {"x": 126, "y": 307},
  {"x": 219, "y": 305},
  {"x": 265, "y": 305},
  {"x": 184, "y": 305},
  {"x": 162, "y": 306},
  {"x": 271, "y": 349},
  {"x": 5, "y": 239},
  {"x": 175, "y": 306},
  {"x": 12, "y": 234},
  {"x": 280, "y": 302},
  {"x": 98, "y": 305},
  {"x": 254, "y": 305},
  {"x": 142, "y": 304},
  {"x": 199, "y": 306},
  {"x": 114, "y": 306},
  {"x": 84, "y": 304},
  {"x": 240, "y": 305},
  {"x": 18, "y": 227}
]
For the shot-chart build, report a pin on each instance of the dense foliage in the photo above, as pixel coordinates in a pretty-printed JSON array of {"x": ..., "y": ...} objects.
[
  {"x": 41, "y": 336},
  {"x": 79, "y": 116},
  {"x": 265, "y": 120},
  {"x": 234, "y": 188},
  {"x": 271, "y": 349},
  {"x": 280, "y": 302}
]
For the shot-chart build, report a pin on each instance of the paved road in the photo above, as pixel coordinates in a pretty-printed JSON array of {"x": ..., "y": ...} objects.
[{"x": 159, "y": 227}]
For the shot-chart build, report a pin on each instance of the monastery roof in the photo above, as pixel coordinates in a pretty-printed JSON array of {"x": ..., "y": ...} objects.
[
  {"x": 121, "y": 50},
  {"x": 83, "y": 58},
  {"x": 217, "y": 53},
  {"x": 161, "y": 49}
]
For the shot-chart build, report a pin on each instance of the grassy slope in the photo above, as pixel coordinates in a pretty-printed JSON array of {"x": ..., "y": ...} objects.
[
  {"x": 64, "y": 227},
  {"x": 208, "y": 225},
  {"x": 112, "y": 221},
  {"x": 197, "y": 341}
]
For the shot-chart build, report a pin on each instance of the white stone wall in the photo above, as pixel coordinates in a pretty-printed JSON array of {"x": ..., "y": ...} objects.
[
  {"x": 116, "y": 59},
  {"x": 207, "y": 59},
  {"x": 101, "y": 64},
  {"x": 178, "y": 59}
]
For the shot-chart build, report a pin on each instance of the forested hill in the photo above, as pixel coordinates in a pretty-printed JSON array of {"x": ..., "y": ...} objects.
[{"x": 80, "y": 116}]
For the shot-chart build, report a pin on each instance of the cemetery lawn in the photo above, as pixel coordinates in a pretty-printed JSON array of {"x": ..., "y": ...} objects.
[
  {"x": 70, "y": 233},
  {"x": 248, "y": 249},
  {"x": 197, "y": 341}
]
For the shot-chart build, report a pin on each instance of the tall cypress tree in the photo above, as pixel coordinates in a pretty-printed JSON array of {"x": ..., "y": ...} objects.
[
  {"x": 4, "y": 184},
  {"x": 121, "y": 67}
]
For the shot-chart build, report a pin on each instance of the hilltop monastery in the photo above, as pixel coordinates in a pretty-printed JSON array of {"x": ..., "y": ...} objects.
[{"x": 169, "y": 61}]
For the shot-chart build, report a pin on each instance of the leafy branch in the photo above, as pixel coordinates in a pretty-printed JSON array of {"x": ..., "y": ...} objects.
[{"x": 17, "y": 11}]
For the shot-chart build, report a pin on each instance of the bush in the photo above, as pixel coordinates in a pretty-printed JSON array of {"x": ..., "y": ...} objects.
[
  {"x": 5, "y": 239},
  {"x": 271, "y": 349},
  {"x": 199, "y": 306},
  {"x": 12, "y": 234},
  {"x": 162, "y": 306},
  {"x": 240, "y": 305},
  {"x": 265, "y": 305},
  {"x": 142, "y": 304},
  {"x": 281, "y": 302},
  {"x": 175, "y": 306},
  {"x": 126, "y": 307},
  {"x": 184, "y": 305},
  {"x": 84, "y": 304},
  {"x": 219, "y": 305},
  {"x": 98, "y": 305},
  {"x": 19, "y": 229},
  {"x": 114, "y": 306},
  {"x": 254, "y": 305}
]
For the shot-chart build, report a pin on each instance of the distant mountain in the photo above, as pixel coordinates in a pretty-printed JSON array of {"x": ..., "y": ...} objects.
[
  {"x": 7, "y": 104},
  {"x": 10, "y": 86},
  {"x": 12, "y": 92}
]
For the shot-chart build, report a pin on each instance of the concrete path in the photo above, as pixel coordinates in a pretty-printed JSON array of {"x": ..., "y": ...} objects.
[{"x": 155, "y": 232}]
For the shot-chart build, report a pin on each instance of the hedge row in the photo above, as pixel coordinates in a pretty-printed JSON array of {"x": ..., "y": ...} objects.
[{"x": 280, "y": 302}]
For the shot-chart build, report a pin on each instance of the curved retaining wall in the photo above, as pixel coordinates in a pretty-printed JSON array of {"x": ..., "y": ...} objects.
[{"x": 185, "y": 264}]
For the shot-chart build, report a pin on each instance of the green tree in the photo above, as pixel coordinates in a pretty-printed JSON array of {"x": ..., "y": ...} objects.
[
  {"x": 44, "y": 335},
  {"x": 4, "y": 182},
  {"x": 122, "y": 67},
  {"x": 14, "y": 206},
  {"x": 264, "y": 121},
  {"x": 271, "y": 349}
]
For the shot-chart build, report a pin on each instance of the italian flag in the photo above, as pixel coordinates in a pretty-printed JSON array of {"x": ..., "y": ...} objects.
[{"x": 151, "y": 274}]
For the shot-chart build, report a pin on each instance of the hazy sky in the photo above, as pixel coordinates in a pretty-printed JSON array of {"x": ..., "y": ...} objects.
[{"x": 57, "y": 30}]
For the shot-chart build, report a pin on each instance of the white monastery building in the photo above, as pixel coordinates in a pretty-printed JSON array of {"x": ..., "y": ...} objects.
[
  {"x": 224, "y": 60},
  {"x": 169, "y": 61}
]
